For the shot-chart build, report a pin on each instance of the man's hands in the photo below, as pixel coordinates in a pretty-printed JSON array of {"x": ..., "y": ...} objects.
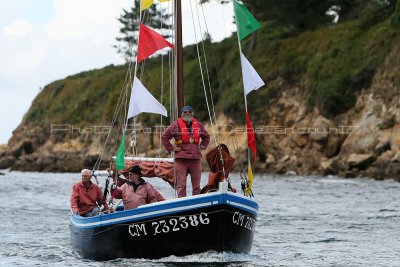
[{"x": 110, "y": 210}]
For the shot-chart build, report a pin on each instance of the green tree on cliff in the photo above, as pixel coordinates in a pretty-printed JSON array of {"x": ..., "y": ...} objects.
[
  {"x": 302, "y": 15},
  {"x": 152, "y": 17}
]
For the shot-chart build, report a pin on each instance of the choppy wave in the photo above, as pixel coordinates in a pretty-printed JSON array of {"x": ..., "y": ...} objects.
[{"x": 303, "y": 221}]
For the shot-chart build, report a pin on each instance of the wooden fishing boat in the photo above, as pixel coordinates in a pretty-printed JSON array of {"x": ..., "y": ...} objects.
[{"x": 218, "y": 220}]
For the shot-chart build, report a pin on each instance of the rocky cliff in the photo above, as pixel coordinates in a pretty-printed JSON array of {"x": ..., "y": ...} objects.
[
  {"x": 331, "y": 106},
  {"x": 363, "y": 142}
]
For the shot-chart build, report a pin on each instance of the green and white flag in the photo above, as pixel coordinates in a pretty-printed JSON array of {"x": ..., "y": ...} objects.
[
  {"x": 120, "y": 159},
  {"x": 246, "y": 23}
]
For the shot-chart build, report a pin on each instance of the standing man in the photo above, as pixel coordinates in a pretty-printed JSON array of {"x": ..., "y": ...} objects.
[
  {"x": 84, "y": 196},
  {"x": 190, "y": 137}
]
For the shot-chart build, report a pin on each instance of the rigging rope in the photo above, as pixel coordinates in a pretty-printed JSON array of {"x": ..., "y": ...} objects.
[
  {"x": 124, "y": 97},
  {"x": 162, "y": 81},
  {"x": 216, "y": 135},
  {"x": 206, "y": 66},
  {"x": 173, "y": 97},
  {"x": 202, "y": 75},
  {"x": 120, "y": 106},
  {"x": 162, "y": 95},
  {"x": 242, "y": 173},
  {"x": 115, "y": 115}
]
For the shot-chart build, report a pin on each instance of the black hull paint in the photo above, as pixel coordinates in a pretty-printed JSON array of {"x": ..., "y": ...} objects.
[{"x": 218, "y": 228}]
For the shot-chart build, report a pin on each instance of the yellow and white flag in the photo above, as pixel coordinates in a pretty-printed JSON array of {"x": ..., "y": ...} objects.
[{"x": 147, "y": 3}]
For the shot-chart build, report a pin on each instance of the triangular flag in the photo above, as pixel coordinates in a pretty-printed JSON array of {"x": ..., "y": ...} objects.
[
  {"x": 150, "y": 42},
  {"x": 145, "y": 4},
  {"x": 120, "y": 159},
  {"x": 251, "y": 139},
  {"x": 249, "y": 181},
  {"x": 246, "y": 23},
  {"x": 251, "y": 79},
  {"x": 143, "y": 101}
]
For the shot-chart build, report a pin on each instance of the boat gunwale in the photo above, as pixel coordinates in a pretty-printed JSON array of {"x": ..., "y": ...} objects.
[{"x": 167, "y": 207}]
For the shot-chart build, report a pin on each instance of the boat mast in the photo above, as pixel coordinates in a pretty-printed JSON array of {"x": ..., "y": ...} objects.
[{"x": 178, "y": 54}]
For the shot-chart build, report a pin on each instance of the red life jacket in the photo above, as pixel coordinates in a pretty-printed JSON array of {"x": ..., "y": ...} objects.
[{"x": 186, "y": 137}]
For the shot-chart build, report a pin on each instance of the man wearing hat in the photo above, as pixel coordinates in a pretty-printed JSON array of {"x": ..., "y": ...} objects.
[
  {"x": 190, "y": 138},
  {"x": 136, "y": 191}
]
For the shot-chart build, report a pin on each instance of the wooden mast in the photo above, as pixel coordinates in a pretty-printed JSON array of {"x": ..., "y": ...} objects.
[{"x": 178, "y": 55}]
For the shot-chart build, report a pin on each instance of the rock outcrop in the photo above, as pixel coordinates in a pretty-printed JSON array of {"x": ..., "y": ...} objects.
[{"x": 365, "y": 141}]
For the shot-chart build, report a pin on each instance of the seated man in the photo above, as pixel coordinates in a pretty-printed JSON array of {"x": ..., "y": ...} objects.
[
  {"x": 86, "y": 197},
  {"x": 136, "y": 191}
]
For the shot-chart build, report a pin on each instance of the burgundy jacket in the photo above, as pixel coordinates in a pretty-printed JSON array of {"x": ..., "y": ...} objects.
[
  {"x": 83, "y": 200},
  {"x": 189, "y": 150}
]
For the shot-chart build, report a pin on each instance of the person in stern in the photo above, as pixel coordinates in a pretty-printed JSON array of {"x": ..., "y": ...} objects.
[
  {"x": 136, "y": 191},
  {"x": 190, "y": 138},
  {"x": 86, "y": 197}
]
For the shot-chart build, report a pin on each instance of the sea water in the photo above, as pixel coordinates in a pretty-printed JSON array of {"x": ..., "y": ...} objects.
[{"x": 302, "y": 221}]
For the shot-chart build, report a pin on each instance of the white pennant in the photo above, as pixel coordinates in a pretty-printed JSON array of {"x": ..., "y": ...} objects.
[
  {"x": 251, "y": 79},
  {"x": 143, "y": 101}
]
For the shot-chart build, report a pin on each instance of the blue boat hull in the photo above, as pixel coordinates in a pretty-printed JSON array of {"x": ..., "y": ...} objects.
[{"x": 216, "y": 221}]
